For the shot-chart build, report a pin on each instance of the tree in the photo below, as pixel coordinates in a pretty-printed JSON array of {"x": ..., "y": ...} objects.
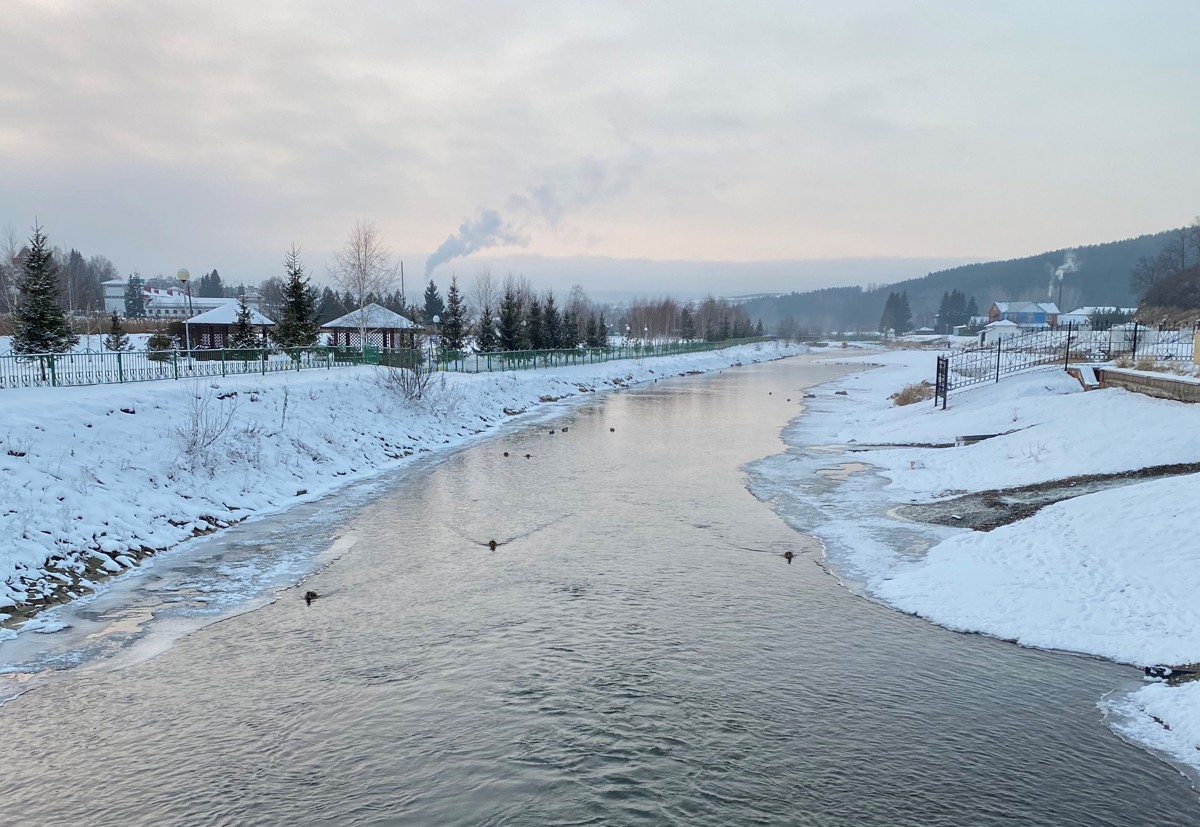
[
  {"x": 210, "y": 286},
  {"x": 434, "y": 306},
  {"x": 760, "y": 329},
  {"x": 570, "y": 330},
  {"x": 535, "y": 333},
  {"x": 454, "y": 323},
  {"x": 242, "y": 335},
  {"x": 159, "y": 346},
  {"x": 135, "y": 297},
  {"x": 39, "y": 323},
  {"x": 485, "y": 332},
  {"x": 297, "y": 325},
  {"x": 687, "y": 324},
  {"x": 363, "y": 265},
  {"x": 897, "y": 316},
  {"x": 510, "y": 321},
  {"x": 601, "y": 331},
  {"x": 117, "y": 338},
  {"x": 551, "y": 323},
  {"x": 1150, "y": 270}
]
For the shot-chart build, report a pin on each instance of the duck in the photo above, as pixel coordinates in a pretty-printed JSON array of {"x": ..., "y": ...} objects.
[
  {"x": 787, "y": 555},
  {"x": 309, "y": 597}
]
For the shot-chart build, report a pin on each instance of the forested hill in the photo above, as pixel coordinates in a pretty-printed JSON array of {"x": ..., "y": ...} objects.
[{"x": 1100, "y": 278}]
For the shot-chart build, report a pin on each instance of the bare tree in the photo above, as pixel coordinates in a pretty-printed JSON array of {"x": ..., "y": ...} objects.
[
  {"x": 364, "y": 266},
  {"x": 9, "y": 251},
  {"x": 485, "y": 292},
  {"x": 1151, "y": 269}
]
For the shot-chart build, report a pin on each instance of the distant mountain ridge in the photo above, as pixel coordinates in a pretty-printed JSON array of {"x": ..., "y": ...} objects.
[{"x": 1100, "y": 277}]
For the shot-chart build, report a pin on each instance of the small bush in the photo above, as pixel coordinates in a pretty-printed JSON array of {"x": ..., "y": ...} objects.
[{"x": 911, "y": 394}]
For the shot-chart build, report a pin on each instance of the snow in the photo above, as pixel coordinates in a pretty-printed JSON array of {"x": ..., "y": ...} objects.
[
  {"x": 1112, "y": 573},
  {"x": 101, "y": 473},
  {"x": 227, "y": 314}
]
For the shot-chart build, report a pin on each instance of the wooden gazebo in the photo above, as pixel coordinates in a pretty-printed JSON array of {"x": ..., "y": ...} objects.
[
  {"x": 211, "y": 330},
  {"x": 384, "y": 329}
]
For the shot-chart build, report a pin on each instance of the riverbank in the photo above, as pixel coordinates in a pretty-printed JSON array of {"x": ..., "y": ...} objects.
[
  {"x": 1110, "y": 572},
  {"x": 94, "y": 479}
]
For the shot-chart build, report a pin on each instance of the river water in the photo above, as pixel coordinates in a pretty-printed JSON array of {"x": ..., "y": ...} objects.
[{"x": 636, "y": 650}]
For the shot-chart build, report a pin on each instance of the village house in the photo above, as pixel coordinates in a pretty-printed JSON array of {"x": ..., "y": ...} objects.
[{"x": 1025, "y": 314}]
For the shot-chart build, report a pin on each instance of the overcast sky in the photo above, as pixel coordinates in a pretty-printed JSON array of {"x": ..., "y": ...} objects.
[{"x": 215, "y": 133}]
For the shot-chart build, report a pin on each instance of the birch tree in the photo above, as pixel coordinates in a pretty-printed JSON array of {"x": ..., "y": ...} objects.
[{"x": 364, "y": 266}]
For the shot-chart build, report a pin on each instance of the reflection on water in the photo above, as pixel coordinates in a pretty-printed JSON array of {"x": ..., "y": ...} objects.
[{"x": 636, "y": 652}]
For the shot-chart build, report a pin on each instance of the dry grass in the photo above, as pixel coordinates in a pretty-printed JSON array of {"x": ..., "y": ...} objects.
[{"x": 911, "y": 394}]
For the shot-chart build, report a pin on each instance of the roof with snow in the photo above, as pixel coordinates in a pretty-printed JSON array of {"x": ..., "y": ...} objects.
[
  {"x": 1092, "y": 311},
  {"x": 1001, "y": 323},
  {"x": 1027, "y": 307},
  {"x": 227, "y": 314},
  {"x": 377, "y": 318}
]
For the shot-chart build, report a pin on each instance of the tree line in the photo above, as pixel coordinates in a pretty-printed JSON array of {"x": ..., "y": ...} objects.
[{"x": 491, "y": 315}]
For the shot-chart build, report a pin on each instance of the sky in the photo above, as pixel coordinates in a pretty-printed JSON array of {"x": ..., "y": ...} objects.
[{"x": 758, "y": 141}]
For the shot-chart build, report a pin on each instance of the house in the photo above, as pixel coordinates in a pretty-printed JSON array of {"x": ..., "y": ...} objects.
[
  {"x": 1025, "y": 314},
  {"x": 996, "y": 331},
  {"x": 166, "y": 303}
]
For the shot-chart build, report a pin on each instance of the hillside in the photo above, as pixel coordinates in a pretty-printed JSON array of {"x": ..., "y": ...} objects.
[{"x": 1100, "y": 277}]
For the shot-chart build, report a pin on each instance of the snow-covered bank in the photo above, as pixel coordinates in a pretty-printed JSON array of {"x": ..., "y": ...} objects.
[
  {"x": 1113, "y": 573},
  {"x": 91, "y": 477}
]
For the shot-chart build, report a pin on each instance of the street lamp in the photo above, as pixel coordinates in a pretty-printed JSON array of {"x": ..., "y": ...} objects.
[
  {"x": 437, "y": 320},
  {"x": 183, "y": 275}
]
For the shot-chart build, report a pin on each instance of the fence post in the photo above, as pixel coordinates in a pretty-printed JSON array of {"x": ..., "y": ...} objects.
[
  {"x": 53, "y": 373},
  {"x": 1133, "y": 355},
  {"x": 1067, "y": 357},
  {"x": 175, "y": 361},
  {"x": 120, "y": 370},
  {"x": 999, "y": 345},
  {"x": 262, "y": 355}
]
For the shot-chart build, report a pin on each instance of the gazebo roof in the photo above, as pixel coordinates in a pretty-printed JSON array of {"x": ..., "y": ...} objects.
[
  {"x": 377, "y": 318},
  {"x": 227, "y": 314}
]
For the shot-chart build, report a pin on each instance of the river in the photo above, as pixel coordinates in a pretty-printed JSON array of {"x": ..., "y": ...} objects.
[{"x": 636, "y": 650}]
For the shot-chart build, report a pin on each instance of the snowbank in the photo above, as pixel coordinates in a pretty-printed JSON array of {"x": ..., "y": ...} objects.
[
  {"x": 92, "y": 478},
  {"x": 1113, "y": 573}
]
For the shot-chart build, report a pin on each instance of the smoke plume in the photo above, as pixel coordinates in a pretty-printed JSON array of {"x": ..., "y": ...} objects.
[
  {"x": 1070, "y": 265},
  {"x": 564, "y": 190}
]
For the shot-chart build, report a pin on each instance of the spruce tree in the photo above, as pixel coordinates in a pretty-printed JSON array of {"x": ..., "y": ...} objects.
[
  {"x": 434, "y": 306},
  {"x": 454, "y": 324},
  {"x": 159, "y": 346},
  {"x": 117, "y": 338},
  {"x": 601, "y": 331},
  {"x": 135, "y": 298},
  {"x": 687, "y": 324},
  {"x": 535, "y": 336},
  {"x": 485, "y": 334},
  {"x": 551, "y": 323},
  {"x": 591, "y": 337},
  {"x": 242, "y": 335},
  {"x": 39, "y": 323},
  {"x": 510, "y": 321},
  {"x": 297, "y": 325},
  {"x": 570, "y": 330}
]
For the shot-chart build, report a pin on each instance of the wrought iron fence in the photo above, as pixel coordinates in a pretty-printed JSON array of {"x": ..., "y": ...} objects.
[
  {"x": 109, "y": 367},
  {"x": 1048, "y": 348},
  {"x": 535, "y": 359}
]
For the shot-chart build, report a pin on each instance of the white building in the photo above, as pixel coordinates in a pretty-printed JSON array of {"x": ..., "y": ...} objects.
[
  {"x": 996, "y": 331},
  {"x": 165, "y": 303},
  {"x": 1083, "y": 315}
]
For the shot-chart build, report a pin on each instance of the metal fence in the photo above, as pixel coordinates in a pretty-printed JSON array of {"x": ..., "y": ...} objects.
[
  {"x": 1048, "y": 348},
  {"x": 534, "y": 359},
  {"x": 76, "y": 369}
]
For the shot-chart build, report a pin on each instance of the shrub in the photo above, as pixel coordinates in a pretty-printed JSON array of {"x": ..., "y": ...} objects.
[{"x": 911, "y": 394}]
